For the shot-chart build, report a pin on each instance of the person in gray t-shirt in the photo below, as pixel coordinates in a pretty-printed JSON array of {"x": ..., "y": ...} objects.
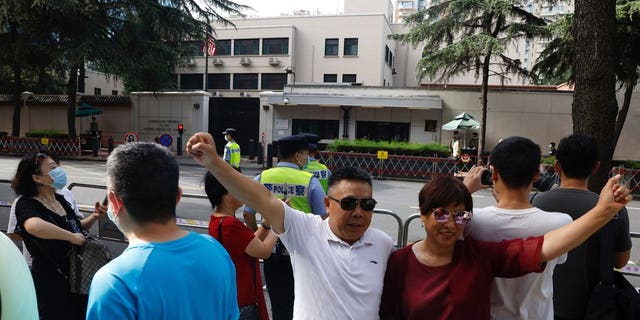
[{"x": 574, "y": 280}]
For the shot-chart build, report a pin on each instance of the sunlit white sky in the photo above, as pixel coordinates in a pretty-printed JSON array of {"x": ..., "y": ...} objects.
[{"x": 270, "y": 8}]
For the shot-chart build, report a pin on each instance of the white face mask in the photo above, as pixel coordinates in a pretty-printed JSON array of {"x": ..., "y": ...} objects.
[{"x": 226, "y": 138}]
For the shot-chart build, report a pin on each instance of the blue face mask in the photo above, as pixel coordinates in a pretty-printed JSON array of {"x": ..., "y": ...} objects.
[
  {"x": 112, "y": 218},
  {"x": 59, "y": 178}
]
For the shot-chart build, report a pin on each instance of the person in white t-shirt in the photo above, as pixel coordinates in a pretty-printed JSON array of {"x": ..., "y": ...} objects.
[
  {"x": 338, "y": 263},
  {"x": 514, "y": 168}
]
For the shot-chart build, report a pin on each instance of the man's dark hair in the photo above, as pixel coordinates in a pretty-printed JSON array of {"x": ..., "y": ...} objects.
[
  {"x": 517, "y": 160},
  {"x": 145, "y": 176},
  {"x": 348, "y": 173},
  {"x": 22, "y": 182},
  {"x": 443, "y": 191},
  {"x": 577, "y": 155}
]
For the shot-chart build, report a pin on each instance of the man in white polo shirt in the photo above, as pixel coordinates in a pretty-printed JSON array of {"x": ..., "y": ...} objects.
[{"x": 338, "y": 263}]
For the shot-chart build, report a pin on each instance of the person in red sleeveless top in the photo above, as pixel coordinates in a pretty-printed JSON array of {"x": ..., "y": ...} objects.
[{"x": 244, "y": 247}]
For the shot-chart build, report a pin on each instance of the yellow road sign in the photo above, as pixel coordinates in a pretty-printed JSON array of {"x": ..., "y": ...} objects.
[
  {"x": 382, "y": 155},
  {"x": 44, "y": 141}
]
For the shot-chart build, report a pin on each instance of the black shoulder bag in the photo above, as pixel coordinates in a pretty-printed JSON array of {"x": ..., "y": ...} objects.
[{"x": 613, "y": 298}]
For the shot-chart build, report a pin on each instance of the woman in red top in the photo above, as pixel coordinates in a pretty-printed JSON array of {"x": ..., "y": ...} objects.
[
  {"x": 243, "y": 246},
  {"x": 443, "y": 277}
]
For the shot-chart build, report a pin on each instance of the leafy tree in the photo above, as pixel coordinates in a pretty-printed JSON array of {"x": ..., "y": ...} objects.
[
  {"x": 601, "y": 117},
  {"x": 139, "y": 40},
  {"x": 463, "y": 36}
]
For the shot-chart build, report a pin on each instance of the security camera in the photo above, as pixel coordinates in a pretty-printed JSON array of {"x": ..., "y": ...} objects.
[
  {"x": 287, "y": 69},
  {"x": 285, "y": 100}
]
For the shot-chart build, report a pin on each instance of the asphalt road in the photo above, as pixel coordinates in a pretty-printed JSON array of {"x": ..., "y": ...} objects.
[{"x": 400, "y": 197}]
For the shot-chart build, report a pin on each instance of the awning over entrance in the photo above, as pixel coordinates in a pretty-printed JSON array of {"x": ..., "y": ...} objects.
[
  {"x": 375, "y": 97},
  {"x": 85, "y": 110}
]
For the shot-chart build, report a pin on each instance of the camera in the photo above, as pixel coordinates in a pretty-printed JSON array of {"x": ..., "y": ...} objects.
[
  {"x": 485, "y": 179},
  {"x": 545, "y": 182}
]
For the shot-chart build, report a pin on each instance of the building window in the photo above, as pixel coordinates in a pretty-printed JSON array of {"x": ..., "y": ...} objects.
[
  {"x": 330, "y": 78},
  {"x": 431, "y": 125},
  {"x": 246, "y": 47},
  {"x": 386, "y": 54},
  {"x": 219, "y": 81},
  {"x": 273, "y": 81},
  {"x": 97, "y": 91},
  {"x": 245, "y": 81},
  {"x": 382, "y": 131},
  {"x": 349, "y": 78},
  {"x": 275, "y": 46},
  {"x": 325, "y": 129},
  {"x": 223, "y": 47},
  {"x": 191, "y": 81},
  {"x": 331, "y": 47},
  {"x": 114, "y": 92},
  {"x": 195, "y": 47},
  {"x": 390, "y": 59},
  {"x": 351, "y": 46}
]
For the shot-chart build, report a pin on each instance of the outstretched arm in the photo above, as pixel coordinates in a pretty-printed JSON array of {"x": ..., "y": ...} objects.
[
  {"x": 250, "y": 192},
  {"x": 612, "y": 199}
]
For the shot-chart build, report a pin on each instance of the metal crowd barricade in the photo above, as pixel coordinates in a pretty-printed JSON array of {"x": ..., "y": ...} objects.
[
  {"x": 398, "y": 220},
  {"x": 59, "y": 146},
  {"x": 5, "y": 204},
  {"x": 405, "y": 230}
]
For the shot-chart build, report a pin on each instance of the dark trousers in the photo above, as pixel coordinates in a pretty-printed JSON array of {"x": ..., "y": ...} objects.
[{"x": 279, "y": 277}]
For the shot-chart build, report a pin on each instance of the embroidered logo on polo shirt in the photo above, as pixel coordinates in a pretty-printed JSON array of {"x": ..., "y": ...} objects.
[{"x": 374, "y": 262}]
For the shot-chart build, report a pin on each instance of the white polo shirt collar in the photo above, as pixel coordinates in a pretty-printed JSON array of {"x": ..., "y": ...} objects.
[{"x": 365, "y": 240}]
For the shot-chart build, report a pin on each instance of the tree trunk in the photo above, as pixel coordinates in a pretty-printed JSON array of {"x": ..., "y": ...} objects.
[
  {"x": 483, "y": 112},
  {"x": 594, "y": 101},
  {"x": 629, "y": 84},
  {"x": 71, "y": 105},
  {"x": 17, "y": 82}
]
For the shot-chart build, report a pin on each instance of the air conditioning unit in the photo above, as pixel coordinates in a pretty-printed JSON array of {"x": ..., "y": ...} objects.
[
  {"x": 216, "y": 61},
  {"x": 191, "y": 62},
  {"x": 274, "y": 61},
  {"x": 245, "y": 61}
]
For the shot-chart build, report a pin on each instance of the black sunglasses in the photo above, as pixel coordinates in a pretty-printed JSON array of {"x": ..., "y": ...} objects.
[
  {"x": 37, "y": 158},
  {"x": 350, "y": 203}
]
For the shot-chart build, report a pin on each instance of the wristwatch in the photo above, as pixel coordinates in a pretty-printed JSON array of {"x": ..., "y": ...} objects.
[{"x": 266, "y": 226}]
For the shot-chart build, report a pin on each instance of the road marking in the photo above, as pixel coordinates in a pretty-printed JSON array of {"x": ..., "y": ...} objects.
[
  {"x": 632, "y": 208},
  {"x": 477, "y": 196}
]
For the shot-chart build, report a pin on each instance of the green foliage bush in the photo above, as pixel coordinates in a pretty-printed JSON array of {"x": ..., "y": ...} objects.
[
  {"x": 393, "y": 147},
  {"x": 48, "y": 133},
  {"x": 3, "y": 133}
]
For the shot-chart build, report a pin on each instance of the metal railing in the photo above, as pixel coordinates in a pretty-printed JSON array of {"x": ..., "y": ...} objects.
[{"x": 61, "y": 147}]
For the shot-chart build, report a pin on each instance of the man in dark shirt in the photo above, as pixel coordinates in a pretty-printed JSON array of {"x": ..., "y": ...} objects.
[{"x": 573, "y": 281}]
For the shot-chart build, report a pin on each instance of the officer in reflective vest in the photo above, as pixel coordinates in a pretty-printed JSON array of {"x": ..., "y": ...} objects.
[
  {"x": 319, "y": 170},
  {"x": 232, "y": 148},
  {"x": 304, "y": 192}
]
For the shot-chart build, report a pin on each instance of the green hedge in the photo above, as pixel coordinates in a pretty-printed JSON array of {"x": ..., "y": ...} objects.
[
  {"x": 393, "y": 147},
  {"x": 49, "y": 133},
  {"x": 3, "y": 133}
]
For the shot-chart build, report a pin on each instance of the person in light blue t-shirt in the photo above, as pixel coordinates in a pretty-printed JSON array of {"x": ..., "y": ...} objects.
[
  {"x": 17, "y": 293},
  {"x": 166, "y": 272}
]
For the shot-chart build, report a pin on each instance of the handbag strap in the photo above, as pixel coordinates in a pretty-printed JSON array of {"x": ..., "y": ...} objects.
[
  {"x": 253, "y": 260},
  {"x": 606, "y": 253},
  {"x": 220, "y": 229}
]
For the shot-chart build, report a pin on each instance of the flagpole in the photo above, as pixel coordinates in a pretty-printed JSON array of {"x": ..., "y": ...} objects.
[{"x": 206, "y": 63}]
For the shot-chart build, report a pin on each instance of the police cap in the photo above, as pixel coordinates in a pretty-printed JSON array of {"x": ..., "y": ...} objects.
[
  {"x": 230, "y": 131},
  {"x": 313, "y": 140},
  {"x": 292, "y": 144}
]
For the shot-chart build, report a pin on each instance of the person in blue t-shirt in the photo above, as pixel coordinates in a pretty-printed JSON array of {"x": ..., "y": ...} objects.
[{"x": 166, "y": 272}]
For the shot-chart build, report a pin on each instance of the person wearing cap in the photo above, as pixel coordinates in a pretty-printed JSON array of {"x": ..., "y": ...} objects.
[
  {"x": 304, "y": 193},
  {"x": 232, "y": 148},
  {"x": 319, "y": 170}
]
